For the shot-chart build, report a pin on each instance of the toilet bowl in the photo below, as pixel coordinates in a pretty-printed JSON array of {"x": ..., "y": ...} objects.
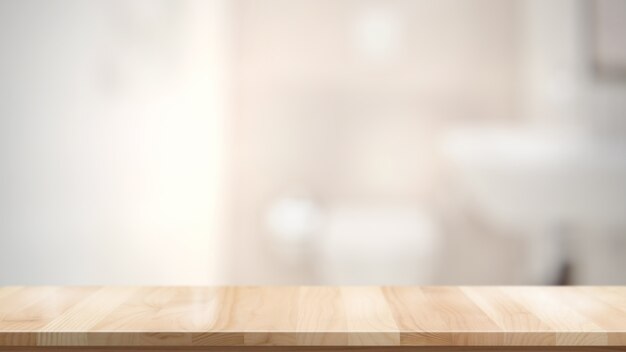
[{"x": 363, "y": 244}]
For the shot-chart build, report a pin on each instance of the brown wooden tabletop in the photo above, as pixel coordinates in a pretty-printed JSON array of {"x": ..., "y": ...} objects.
[{"x": 313, "y": 316}]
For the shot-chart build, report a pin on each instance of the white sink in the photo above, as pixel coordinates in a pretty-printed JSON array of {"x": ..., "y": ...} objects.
[
  {"x": 539, "y": 181},
  {"x": 522, "y": 177}
]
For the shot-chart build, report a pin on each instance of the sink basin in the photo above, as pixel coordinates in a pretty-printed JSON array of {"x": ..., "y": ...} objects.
[
  {"x": 537, "y": 181},
  {"x": 522, "y": 177}
]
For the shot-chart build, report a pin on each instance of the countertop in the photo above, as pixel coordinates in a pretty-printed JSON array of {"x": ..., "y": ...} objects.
[{"x": 312, "y": 316}]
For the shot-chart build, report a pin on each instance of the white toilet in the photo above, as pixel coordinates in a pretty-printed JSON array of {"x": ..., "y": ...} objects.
[{"x": 363, "y": 244}]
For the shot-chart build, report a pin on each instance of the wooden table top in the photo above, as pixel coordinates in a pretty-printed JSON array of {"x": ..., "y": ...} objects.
[{"x": 312, "y": 316}]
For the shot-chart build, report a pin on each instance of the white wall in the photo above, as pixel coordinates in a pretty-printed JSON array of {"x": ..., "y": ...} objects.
[
  {"x": 111, "y": 134},
  {"x": 344, "y": 102},
  {"x": 561, "y": 87}
]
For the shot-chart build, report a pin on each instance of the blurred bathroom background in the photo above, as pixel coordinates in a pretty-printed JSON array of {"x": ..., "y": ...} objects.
[{"x": 313, "y": 142}]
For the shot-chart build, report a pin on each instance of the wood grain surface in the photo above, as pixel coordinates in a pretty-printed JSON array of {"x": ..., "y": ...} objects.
[{"x": 314, "y": 316}]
